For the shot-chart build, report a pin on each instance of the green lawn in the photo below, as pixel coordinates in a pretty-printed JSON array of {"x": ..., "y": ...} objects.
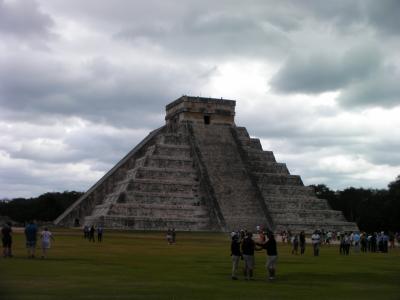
[{"x": 137, "y": 265}]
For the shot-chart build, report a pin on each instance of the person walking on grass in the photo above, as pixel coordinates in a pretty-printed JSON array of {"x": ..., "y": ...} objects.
[
  {"x": 46, "y": 236},
  {"x": 235, "y": 254},
  {"x": 316, "y": 240},
  {"x": 6, "y": 239},
  {"x": 248, "y": 247},
  {"x": 31, "y": 238},
  {"x": 302, "y": 240},
  {"x": 272, "y": 253}
]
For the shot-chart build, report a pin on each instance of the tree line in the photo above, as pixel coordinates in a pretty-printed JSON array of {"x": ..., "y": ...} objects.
[
  {"x": 372, "y": 209},
  {"x": 45, "y": 208}
]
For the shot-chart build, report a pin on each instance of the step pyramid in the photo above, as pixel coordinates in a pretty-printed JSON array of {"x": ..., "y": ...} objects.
[{"x": 201, "y": 172}]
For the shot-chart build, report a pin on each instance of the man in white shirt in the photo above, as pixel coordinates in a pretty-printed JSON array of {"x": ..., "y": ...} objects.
[{"x": 316, "y": 240}]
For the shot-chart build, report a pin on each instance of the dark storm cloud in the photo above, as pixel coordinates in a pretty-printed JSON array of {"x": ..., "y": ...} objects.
[
  {"x": 24, "y": 19},
  {"x": 97, "y": 90},
  {"x": 384, "y": 15},
  {"x": 211, "y": 34},
  {"x": 380, "y": 89},
  {"x": 324, "y": 72}
]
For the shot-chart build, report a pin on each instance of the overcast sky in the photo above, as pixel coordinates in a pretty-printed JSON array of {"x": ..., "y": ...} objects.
[{"x": 82, "y": 82}]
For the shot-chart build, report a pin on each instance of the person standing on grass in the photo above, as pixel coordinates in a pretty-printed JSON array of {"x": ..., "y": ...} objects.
[
  {"x": 235, "y": 254},
  {"x": 248, "y": 246},
  {"x": 46, "y": 236},
  {"x": 6, "y": 238},
  {"x": 295, "y": 244},
  {"x": 31, "y": 238},
  {"x": 302, "y": 240},
  {"x": 316, "y": 240},
  {"x": 100, "y": 233},
  {"x": 272, "y": 253},
  {"x": 91, "y": 233}
]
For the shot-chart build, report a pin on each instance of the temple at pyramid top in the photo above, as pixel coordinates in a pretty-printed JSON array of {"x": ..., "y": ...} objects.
[{"x": 201, "y": 110}]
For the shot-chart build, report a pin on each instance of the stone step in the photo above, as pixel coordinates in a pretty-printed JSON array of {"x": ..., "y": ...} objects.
[
  {"x": 312, "y": 214},
  {"x": 278, "y": 179},
  {"x": 286, "y": 190},
  {"x": 258, "y": 168},
  {"x": 174, "y": 139},
  {"x": 260, "y": 155},
  {"x": 151, "y": 185},
  {"x": 287, "y": 203},
  {"x": 172, "y": 150},
  {"x": 162, "y": 161},
  {"x": 147, "y": 223},
  {"x": 159, "y": 211},
  {"x": 164, "y": 173}
]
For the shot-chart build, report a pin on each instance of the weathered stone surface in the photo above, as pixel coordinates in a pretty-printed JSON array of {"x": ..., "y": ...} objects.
[{"x": 202, "y": 172}]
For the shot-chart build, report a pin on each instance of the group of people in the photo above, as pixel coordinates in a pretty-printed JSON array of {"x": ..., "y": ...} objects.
[
  {"x": 243, "y": 247},
  {"x": 89, "y": 233},
  {"x": 364, "y": 242},
  {"x": 31, "y": 237},
  {"x": 347, "y": 240}
]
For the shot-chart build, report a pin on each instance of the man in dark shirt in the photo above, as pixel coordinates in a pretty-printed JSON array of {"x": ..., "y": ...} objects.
[
  {"x": 235, "y": 254},
  {"x": 248, "y": 246},
  {"x": 6, "y": 239},
  {"x": 31, "y": 237},
  {"x": 272, "y": 253}
]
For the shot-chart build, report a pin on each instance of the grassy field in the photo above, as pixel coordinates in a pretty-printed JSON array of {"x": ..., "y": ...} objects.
[{"x": 137, "y": 265}]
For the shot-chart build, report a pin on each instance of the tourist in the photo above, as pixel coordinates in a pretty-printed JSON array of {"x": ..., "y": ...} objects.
[
  {"x": 86, "y": 232},
  {"x": 295, "y": 244},
  {"x": 302, "y": 240},
  {"x": 169, "y": 236},
  {"x": 46, "y": 237},
  {"x": 235, "y": 254},
  {"x": 173, "y": 236},
  {"x": 385, "y": 240},
  {"x": 391, "y": 240},
  {"x": 100, "y": 230},
  {"x": 248, "y": 247},
  {"x": 6, "y": 239},
  {"x": 363, "y": 242},
  {"x": 91, "y": 233},
  {"x": 346, "y": 243},
  {"x": 373, "y": 242},
  {"x": 356, "y": 239},
  {"x": 272, "y": 253},
  {"x": 316, "y": 240},
  {"x": 31, "y": 238}
]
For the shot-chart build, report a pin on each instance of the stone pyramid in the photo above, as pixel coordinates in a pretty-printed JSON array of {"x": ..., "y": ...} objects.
[{"x": 200, "y": 172}]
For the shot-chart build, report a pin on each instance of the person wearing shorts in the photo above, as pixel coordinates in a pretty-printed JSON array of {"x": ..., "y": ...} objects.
[
  {"x": 31, "y": 237},
  {"x": 46, "y": 237}
]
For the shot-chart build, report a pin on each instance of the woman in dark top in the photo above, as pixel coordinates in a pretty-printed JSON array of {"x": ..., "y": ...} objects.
[{"x": 272, "y": 253}]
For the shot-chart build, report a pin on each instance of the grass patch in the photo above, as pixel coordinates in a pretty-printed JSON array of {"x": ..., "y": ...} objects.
[{"x": 141, "y": 265}]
